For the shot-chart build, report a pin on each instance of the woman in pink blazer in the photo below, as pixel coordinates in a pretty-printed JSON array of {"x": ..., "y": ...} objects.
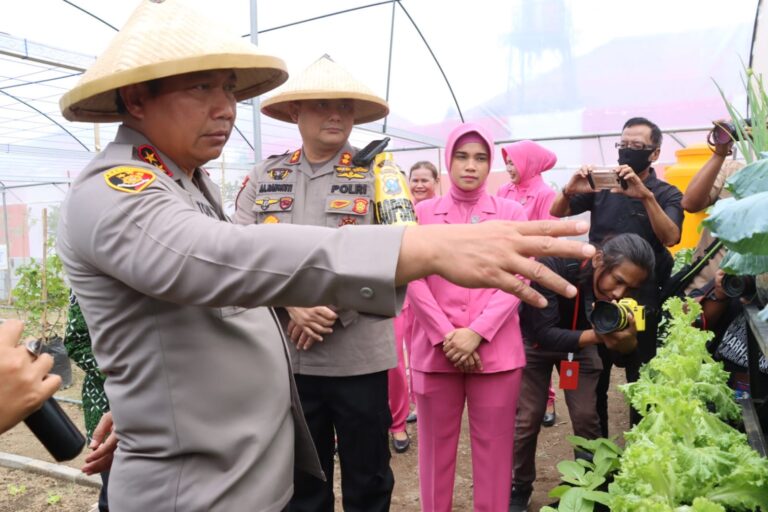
[
  {"x": 525, "y": 161},
  {"x": 466, "y": 346}
]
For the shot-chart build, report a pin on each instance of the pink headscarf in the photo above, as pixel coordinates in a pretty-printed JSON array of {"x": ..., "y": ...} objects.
[
  {"x": 530, "y": 159},
  {"x": 462, "y": 134}
]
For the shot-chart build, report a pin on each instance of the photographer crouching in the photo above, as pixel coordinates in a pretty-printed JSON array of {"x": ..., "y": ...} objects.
[
  {"x": 566, "y": 335},
  {"x": 629, "y": 198}
]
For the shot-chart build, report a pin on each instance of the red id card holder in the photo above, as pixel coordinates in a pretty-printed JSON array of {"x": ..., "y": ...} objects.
[{"x": 569, "y": 373}]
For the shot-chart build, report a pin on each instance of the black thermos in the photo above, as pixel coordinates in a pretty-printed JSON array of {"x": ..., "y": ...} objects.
[{"x": 55, "y": 430}]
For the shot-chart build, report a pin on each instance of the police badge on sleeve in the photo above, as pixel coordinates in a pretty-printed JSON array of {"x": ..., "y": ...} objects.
[{"x": 129, "y": 179}]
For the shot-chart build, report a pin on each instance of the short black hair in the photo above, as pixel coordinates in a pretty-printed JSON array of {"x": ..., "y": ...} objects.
[
  {"x": 615, "y": 250},
  {"x": 153, "y": 86},
  {"x": 628, "y": 247},
  {"x": 656, "y": 136}
]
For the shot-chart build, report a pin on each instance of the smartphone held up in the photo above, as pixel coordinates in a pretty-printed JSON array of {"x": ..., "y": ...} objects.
[{"x": 605, "y": 179}]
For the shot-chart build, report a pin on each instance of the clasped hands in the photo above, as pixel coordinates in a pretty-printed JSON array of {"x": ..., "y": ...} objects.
[
  {"x": 308, "y": 325},
  {"x": 460, "y": 347}
]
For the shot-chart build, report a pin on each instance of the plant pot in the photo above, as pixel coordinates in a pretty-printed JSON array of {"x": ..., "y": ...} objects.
[{"x": 62, "y": 366}]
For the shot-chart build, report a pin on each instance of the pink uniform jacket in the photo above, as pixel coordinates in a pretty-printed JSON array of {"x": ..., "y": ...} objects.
[
  {"x": 531, "y": 160},
  {"x": 439, "y": 307}
]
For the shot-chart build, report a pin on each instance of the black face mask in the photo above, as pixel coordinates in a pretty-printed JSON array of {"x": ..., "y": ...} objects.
[{"x": 637, "y": 159}]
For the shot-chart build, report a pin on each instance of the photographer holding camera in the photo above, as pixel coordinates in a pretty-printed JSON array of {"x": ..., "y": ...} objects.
[
  {"x": 722, "y": 303},
  {"x": 640, "y": 203},
  {"x": 704, "y": 190},
  {"x": 25, "y": 383},
  {"x": 566, "y": 335}
]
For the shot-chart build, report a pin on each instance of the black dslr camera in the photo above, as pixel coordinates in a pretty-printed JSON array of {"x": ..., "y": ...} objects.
[
  {"x": 726, "y": 131},
  {"x": 738, "y": 286}
]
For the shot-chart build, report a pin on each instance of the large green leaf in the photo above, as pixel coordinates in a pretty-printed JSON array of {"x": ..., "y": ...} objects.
[
  {"x": 744, "y": 264},
  {"x": 752, "y": 179},
  {"x": 741, "y": 224}
]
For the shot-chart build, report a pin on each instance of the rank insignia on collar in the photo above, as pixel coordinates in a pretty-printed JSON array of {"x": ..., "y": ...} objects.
[
  {"x": 346, "y": 158},
  {"x": 286, "y": 203},
  {"x": 347, "y": 221},
  {"x": 279, "y": 174},
  {"x": 351, "y": 173},
  {"x": 150, "y": 155},
  {"x": 271, "y": 220},
  {"x": 129, "y": 179},
  {"x": 265, "y": 202},
  {"x": 295, "y": 157}
]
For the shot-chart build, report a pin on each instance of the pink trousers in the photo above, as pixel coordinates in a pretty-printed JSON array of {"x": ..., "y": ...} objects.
[
  {"x": 399, "y": 404},
  {"x": 491, "y": 400}
]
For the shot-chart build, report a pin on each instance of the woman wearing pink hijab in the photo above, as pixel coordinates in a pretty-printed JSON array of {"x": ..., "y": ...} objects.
[
  {"x": 525, "y": 161},
  {"x": 466, "y": 346}
]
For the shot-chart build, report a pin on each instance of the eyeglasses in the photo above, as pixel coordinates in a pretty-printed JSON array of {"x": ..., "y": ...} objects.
[{"x": 634, "y": 145}]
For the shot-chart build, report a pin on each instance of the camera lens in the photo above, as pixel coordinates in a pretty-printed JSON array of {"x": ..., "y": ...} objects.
[
  {"x": 723, "y": 133},
  {"x": 737, "y": 286},
  {"x": 733, "y": 286},
  {"x": 608, "y": 317}
]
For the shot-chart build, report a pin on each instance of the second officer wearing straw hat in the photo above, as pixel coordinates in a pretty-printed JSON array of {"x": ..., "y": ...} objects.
[{"x": 340, "y": 357}]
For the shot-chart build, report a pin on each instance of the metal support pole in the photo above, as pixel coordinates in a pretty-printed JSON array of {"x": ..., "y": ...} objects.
[
  {"x": 255, "y": 102},
  {"x": 7, "y": 247}
]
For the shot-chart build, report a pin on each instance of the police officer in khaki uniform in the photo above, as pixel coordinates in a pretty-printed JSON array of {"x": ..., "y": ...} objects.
[
  {"x": 199, "y": 385},
  {"x": 340, "y": 357}
]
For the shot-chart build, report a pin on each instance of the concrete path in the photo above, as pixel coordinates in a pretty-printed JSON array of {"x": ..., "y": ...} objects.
[{"x": 41, "y": 467}]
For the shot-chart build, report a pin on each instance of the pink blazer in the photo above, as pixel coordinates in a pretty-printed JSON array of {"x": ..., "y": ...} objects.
[{"x": 439, "y": 306}]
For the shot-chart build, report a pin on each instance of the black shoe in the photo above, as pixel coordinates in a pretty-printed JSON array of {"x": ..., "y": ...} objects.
[
  {"x": 401, "y": 446},
  {"x": 520, "y": 499},
  {"x": 411, "y": 417},
  {"x": 549, "y": 419}
]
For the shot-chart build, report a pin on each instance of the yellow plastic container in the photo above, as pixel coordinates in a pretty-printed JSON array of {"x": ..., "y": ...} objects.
[{"x": 689, "y": 162}]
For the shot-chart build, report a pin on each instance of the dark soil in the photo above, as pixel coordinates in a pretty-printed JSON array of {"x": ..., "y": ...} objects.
[{"x": 24, "y": 491}]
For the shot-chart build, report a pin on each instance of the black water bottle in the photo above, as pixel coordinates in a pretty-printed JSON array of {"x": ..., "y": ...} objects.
[{"x": 55, "y": 430}]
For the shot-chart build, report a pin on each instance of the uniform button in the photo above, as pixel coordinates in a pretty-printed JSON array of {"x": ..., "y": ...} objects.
[
  {"x": 366, "y": 292},
  {"x": 463, "y": 308}
]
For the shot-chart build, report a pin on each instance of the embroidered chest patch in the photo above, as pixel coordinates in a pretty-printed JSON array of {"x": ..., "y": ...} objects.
[
  {"x": 129, "y": 179},
  {"x": 279, "y": 174}
]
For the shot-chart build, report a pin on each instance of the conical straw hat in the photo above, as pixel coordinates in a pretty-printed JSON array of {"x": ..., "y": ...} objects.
[
  {"x": 326, "y": 80},
  {"x": 165, "y": 38}
]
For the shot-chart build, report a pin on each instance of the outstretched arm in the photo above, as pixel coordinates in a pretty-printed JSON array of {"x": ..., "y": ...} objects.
[{"x": 490, "y": 254}]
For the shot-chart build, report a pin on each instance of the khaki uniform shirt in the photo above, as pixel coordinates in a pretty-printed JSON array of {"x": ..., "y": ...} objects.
[
  {"x": 199, "y": 385},
  {"x": 729, "y": 168},
  {"x": 284, "y": 190}
]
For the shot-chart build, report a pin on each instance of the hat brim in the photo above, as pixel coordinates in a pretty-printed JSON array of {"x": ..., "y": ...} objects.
[
  {"x": 95, "y": 101},
  {"x": 368, "y": 108}
]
